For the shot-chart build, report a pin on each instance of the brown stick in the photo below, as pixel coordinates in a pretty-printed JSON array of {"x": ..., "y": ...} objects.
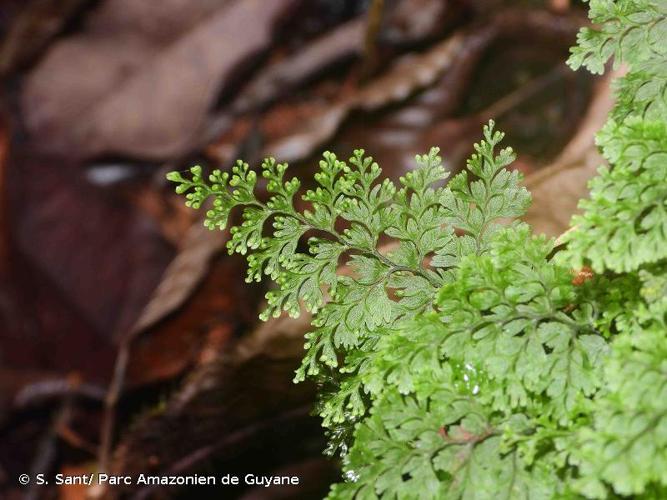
[
  {"x": 370, "y": 38},
  {"x": 48, "y": 447},
  {"x": 58, "y": 388},
  {"x": 110, "y": 402},
  {"x": 521, "y": 94}
]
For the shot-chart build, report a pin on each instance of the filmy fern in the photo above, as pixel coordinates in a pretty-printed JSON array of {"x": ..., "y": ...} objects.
[
  {"x": 351, "y": 217},
  {"x": 623, "y": 232},
  {"x": 459, "y": 355}
]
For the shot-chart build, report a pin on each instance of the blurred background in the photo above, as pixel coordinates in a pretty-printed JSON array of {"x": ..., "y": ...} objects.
[{"x": 129, "y": 341}]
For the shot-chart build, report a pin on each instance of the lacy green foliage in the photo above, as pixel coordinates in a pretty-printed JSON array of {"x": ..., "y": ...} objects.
[
  {"x": 387, "y": 286},
  {"x": 476, "y": 390},
  {"x": 631, "y": 31},
  {"x": 625, "y": 221},
  {"x": 474, "y": 208},
  {"x": 623, "y": 233},
  {"x": 438, "y": 443},
  {"x": 511, "y": 318},
  {"x": 470, "y": 360},
  {"x": 624, "y": 225},
  {"x": 519, "y": 319},
  {"x": 626, "y": 444},
  {"x": 642, "y": 92}
]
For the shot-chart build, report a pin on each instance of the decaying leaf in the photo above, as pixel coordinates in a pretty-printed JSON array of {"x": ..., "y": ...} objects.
[
  {"x": 97, "y": 94},
  {"x": 414, "y": 72},
  {"x": 182, "y": 275},
  {"x": 52, "y": 205},
  {"x": 217, "y": 306},
  {"x": 557, "y": 188},
  {"x": 225, "y": 409},
  {"x": 341, "y": 42}
]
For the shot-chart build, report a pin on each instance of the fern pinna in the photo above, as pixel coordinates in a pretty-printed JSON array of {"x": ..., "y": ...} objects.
[{"x": 459, "y": 356}]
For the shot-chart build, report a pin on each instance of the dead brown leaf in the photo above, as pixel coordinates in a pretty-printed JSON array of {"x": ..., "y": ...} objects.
[
  {"x": 414, "y": 20},
  {"x": 280, "y": 77},
  {"x": 182, "y": 275},
  {"x": 414, "y": 72},
  {"x": 222, "y": 302},
  {"x": 405, "y": 77},
  {"x": 143, "y": 89},
  {"x": 82, "y": 237},
  {"x": 404, "y": 21},
  {"x": 557, "y": 189},
  {"x": 226, "y": 407}
]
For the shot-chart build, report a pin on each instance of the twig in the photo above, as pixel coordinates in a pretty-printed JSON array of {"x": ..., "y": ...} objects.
[
  {"x": 4, "y": 204},
  {"x": 370, "y": 38},
  {"x": 561, "y": 239},
  {"x": 48, "y": 447},
  {"x": 44, "y": 390},
  {"x": 521, "y": 94},
  {"x": 111, "y": 400},
  {"x": 74, "y": 439}
]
